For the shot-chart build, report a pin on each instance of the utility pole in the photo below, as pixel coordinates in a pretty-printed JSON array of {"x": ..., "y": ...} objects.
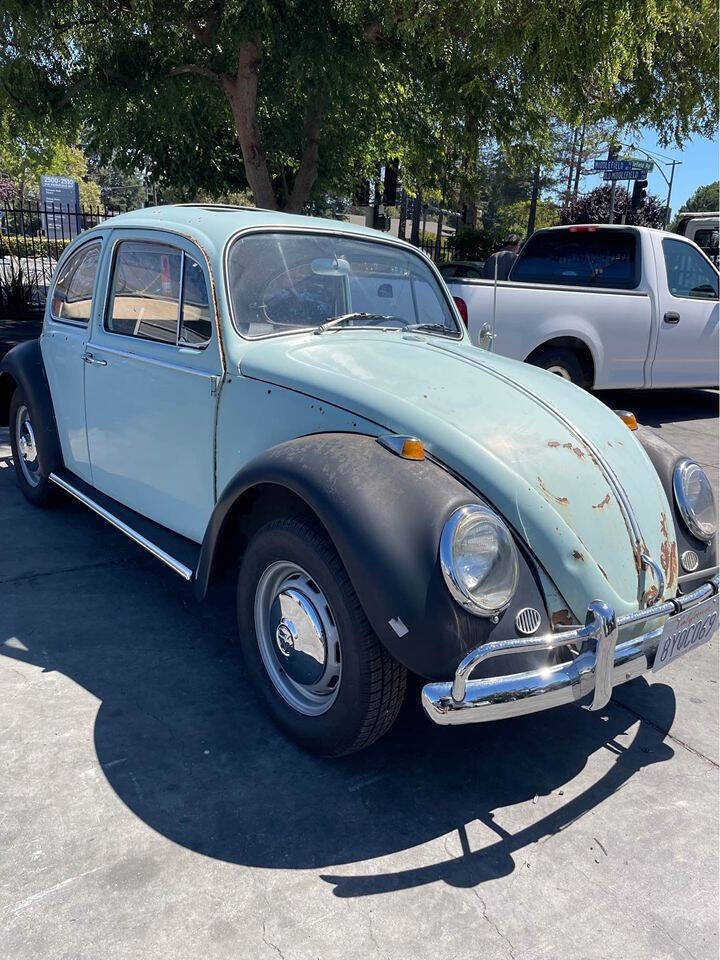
[
  {"x": 578, "y": 169},
  {"x": 533, "y": 202},
  {"x": 667, "y": 205},
  {"x": 571, "y": 168}
]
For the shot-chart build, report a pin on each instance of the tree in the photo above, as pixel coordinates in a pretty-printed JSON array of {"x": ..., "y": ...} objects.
[
  {"x": 704, "y": 198},
  {"x": 594, "y": 207},
  {"x": 312, "y": 94}
]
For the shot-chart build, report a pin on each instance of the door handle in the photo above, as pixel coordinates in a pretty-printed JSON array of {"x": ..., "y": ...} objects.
[
  {"x": 91, "y": 358},
  {"x": 671, "y": 317}
]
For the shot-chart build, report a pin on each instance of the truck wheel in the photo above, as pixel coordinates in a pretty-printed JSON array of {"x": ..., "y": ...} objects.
[
  {"x": 28, "y": 456},
  {"x": 563, "y": 363},
  {"x": 327, "y": 680}
]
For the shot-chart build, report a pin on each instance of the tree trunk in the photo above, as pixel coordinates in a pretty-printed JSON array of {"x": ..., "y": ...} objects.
[
  {"x": 241, "y": 92},
  {"x": 308, "y": 170}
]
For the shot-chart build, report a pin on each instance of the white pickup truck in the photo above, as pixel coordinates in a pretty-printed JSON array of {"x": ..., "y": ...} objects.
[{"x": 604, "y": 306}]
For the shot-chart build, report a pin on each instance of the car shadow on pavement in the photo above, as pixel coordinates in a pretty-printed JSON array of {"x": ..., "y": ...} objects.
[
  {"x": 186, "y": 745},
  {"x": 658, "y": 407}
]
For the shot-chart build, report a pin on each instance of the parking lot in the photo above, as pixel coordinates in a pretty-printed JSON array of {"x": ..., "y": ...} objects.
[{"x": 148, "y": 806}]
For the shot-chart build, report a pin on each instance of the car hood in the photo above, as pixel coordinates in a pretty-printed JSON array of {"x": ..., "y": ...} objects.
[{"x": 546, "y": 454}]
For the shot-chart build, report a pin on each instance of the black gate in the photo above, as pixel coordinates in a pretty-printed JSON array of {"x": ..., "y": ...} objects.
[{"x": 32, "y": 239}]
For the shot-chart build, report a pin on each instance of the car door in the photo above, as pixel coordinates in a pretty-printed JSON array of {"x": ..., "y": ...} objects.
[
  {"x": 62, "y": 343},
  {"x": 687, "y": 346},
  {"x": 153, "y": 368}
]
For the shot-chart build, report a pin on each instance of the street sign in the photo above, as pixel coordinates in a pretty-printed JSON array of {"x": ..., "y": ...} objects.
[
  {"x": 623, "y": 165},
  {"x": 624, "y": 174},
  {"x": 646, "y": 165},
  {"x": 60, "y": 199}
]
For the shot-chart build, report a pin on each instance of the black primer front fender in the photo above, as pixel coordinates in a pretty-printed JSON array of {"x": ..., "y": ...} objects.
[
  {"x": 385, "y": 516},
  {"x": 24, "y": 365}
]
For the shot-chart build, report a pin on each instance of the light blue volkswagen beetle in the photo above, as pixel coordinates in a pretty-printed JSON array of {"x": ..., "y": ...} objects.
[{"x": 298, "y": 399}]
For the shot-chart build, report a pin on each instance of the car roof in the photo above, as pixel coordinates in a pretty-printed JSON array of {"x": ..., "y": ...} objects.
[{"x": 218, "y": 222}]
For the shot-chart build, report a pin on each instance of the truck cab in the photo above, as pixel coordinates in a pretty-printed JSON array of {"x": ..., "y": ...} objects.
[{"x": 607, "y": 307}]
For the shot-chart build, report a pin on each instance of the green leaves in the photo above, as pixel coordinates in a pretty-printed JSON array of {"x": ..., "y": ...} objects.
[{"x": 422, "y": 80}]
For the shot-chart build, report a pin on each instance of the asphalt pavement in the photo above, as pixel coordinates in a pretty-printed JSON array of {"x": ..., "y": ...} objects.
[{"x": 149, "y": 808}]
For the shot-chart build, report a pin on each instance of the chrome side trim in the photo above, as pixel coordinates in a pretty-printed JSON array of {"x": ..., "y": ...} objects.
[
  {"x": 185, "y": 572},
  {"x": 602, "y": 664}
]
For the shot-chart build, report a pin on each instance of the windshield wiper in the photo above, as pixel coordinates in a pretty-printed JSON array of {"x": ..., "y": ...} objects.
[
  {"x": 347, "y": 317},
  {"x": 432, "y": 328}
]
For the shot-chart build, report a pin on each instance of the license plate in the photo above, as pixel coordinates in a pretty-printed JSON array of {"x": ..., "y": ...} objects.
[{"x": 685, "y": 631}]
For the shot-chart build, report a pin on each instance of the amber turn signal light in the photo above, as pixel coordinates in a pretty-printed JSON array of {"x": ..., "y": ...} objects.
[
  {"x": 628, "y": 419},
  {"x": 413, "y": 449},
  {"x": 409, "y": 448}
]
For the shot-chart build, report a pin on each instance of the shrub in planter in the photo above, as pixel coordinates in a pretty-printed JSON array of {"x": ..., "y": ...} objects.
[{"x": 16, "y": 292}]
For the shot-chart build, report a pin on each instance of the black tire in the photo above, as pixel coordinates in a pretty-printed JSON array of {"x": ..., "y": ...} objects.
[
  {"x": 563, "y": 362},
  {"x": 371, "y": 688},
  {"x": 39, "y": 490}
]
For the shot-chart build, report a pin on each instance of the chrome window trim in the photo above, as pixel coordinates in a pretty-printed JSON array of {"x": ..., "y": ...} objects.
[
  {"x": 352, "y": 235},
  {"x": 129, "y": 355},
  {"x": 115, "y": 243},
  {"x": 67, "y": 255}
]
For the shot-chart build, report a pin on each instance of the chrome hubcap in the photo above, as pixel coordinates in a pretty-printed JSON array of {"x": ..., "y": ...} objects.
[
  {"x": 27, "y": 447},
  {"x": 297, "y": 637},
  {"x": 559, "y": 371}
]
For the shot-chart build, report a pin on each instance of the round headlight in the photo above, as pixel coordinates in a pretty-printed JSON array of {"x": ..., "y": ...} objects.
[
  {"x": 695, "y": 499},
  {"x": 479, "y": 560}
]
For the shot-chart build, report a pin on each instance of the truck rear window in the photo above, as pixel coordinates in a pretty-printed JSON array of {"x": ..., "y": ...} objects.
[{"x": 607, "y": 259}]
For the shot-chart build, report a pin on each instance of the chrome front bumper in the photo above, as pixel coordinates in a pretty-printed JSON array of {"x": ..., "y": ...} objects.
[{"x": 597, "y": 670}]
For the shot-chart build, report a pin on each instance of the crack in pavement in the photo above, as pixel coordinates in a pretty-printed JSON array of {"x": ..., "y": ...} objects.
[{"x": 665, "y": 733}]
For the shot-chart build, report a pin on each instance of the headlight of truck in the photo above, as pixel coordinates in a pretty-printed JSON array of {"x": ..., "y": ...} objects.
[
  {"x": 695, "y": 499},
  {"x": 479, "y": 560}
]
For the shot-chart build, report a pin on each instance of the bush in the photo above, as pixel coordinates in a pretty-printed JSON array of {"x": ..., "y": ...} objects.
[
  {"x": 472, "y": 244},
  {"x": 30, "y": 247},
  {"x": 16, "y": 292}
]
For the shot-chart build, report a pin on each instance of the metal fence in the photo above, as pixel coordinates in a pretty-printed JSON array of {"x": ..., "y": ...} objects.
[{"x": 32, "y": 239}]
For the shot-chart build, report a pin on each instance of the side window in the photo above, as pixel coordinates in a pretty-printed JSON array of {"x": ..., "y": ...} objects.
[
  {"x": 580, "y": 257},
  {"x": 146, "y": 291},
  {"x": 195, "y": 322},
  {"x": 73, "y": 290},
  {"x": 688, "y": 272}
]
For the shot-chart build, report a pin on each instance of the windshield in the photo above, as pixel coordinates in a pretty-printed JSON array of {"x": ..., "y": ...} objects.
[{"x": 280, "y": 282}]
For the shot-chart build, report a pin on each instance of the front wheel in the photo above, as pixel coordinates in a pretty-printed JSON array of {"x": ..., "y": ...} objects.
[
  {"x": 308, "y": 646},
  {"x": 31, "y": 470}
]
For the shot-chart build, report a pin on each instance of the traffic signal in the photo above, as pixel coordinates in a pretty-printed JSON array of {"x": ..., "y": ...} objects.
[
  {"x": 390, "y": 184},
  {"x": 639, "y": 193}
]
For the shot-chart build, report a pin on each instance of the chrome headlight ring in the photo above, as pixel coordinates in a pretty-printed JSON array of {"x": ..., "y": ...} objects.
[
  {"x": 479, "y": 560},
  {"x": 694, "y": 498}
]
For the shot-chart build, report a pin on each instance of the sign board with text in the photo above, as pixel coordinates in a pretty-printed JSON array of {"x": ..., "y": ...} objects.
[
  {"x": 60, "y": 201},
  {"x": 624, "y": 174}
]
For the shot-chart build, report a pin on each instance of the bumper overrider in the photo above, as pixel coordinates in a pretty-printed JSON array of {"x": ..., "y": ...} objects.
[{"x": 604, "y": 661}]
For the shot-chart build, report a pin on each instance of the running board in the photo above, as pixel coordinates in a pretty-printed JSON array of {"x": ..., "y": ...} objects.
[{"x": 74, "y": 489}]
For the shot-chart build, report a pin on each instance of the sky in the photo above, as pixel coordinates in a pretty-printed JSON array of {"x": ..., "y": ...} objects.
[{"x": 699, "y": 166}]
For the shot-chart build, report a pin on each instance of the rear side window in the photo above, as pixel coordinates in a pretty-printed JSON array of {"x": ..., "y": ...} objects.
[
  {"x": 72, "y": 294},
  {"x": 607, "y": 259},
  {"x": 158, "y": 293},
  {"x": 688, "y": 272}
]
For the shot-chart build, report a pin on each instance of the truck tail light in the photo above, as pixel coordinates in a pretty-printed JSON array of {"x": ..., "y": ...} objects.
[
  {"x": 462, "y": 309},
  {"x": 582, "y": 228}
]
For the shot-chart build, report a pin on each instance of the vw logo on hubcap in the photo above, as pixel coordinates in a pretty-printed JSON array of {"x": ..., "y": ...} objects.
[{"x": 285, "y": 637}]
